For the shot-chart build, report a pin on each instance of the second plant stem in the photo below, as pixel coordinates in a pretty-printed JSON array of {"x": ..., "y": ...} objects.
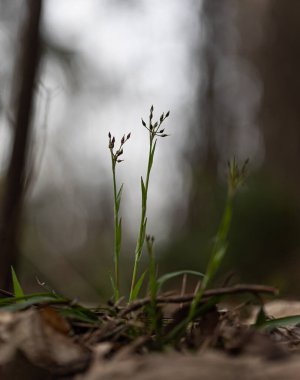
[{"x": 143, "y": 223}]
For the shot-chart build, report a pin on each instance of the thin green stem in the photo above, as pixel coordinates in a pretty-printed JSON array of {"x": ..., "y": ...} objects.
[
  {"x": 218, "y": 252},
  {"x": 115, "y": 159},
  {"x": 116, "y": 226},
  {"x": 154, "y": 131},
  {"x": 141, "y": 235},
  {"x": 236, "y": 176}
]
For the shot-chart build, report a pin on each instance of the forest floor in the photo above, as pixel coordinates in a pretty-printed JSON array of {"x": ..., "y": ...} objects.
[{"x": 39, "y": 343}]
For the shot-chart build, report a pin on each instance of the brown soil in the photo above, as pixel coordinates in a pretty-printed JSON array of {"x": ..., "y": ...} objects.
[{"x": 39, "y": 344}]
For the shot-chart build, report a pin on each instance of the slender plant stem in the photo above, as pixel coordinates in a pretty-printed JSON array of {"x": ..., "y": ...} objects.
[
  {"x": 115, "y": 159},
  {"x": 116, "y": 218},
  {"x": 219, "y": 249},
  {"x": 141, "y": 235},
  {"x": 236, "y": 176}
]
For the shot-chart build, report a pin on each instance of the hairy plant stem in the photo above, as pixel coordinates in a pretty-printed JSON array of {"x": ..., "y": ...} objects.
[{"x": 141, "y": 235}]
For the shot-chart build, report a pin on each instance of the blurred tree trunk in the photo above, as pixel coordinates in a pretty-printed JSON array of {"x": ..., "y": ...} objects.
[
  {"x": 24, "y": 100},
  {"x": 278, "y": 62},
  {"x": 204, "y": 158}
]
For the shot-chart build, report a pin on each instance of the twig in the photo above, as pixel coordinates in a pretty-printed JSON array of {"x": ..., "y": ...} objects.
[
  {"x": 5, "y": 293},
  {"x": 237, "y": 289}
]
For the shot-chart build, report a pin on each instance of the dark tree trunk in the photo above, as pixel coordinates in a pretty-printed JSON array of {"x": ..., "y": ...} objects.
[{"x": 24, "y": 98}]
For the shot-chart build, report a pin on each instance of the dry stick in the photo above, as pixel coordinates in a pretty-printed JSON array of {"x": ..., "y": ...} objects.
[
  {"x": 243, "y": 288},
  {"x": 5, "y": 293}
]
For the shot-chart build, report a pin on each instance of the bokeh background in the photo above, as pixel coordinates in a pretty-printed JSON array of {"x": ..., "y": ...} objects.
[{"x": 229, "y": 73}]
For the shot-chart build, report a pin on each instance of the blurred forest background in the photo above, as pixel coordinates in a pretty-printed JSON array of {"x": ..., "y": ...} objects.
[{"x": 229, "y": 72}]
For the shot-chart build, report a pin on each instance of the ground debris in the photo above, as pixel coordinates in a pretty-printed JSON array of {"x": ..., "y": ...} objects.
[
  {"x": 42, "y": 343},
  {"x": 42, "y": 338}
]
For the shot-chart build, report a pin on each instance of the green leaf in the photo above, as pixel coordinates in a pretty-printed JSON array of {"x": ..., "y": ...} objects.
[
  {"x": 143, "y": 235},
  {"x": 261, "y": 317},
  {"x": 138, "y": 285},
  {"x": 119, "y": 237},
  {"x": 168, "y": 276},
  {"x": 151, "y": 157},
  {"x": 19, "y": 303},
  {"x": 144, "y": 194},
  {"x": 118, "y": 199},
  {"x": 215, "y": 262},
  {"x": 18, "y": 291},
  {"x": 284, "y": 321},
  {"x": 80, "y": 313},
  {"x": 112, "y": 283}
]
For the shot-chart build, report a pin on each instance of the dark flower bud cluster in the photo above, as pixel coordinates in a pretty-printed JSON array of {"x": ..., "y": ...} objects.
[
  {"x": 111, "y": 144},
  {"x": 154, "y": 129},
  {"x": 150, "y": 238}
]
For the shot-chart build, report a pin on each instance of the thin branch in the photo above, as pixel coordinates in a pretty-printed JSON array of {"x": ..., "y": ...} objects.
[{"x": 237, "y": 289}]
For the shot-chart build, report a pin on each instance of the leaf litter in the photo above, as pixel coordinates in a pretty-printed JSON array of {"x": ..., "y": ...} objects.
[{"x": 49, "y": 337}]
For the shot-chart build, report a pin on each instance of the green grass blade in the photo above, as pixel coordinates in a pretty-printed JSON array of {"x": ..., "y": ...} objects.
[
  {"x": 18, "y": 291},
  {"x": 151, "y": 158},
  {"x": 138, "y": 285},
  {"x": 118, "y": 198},
  {"x": 119, "y": 237},
  {"x": 278, "y": 322},
  {"x": 144, "y": 193},
  {"x": 168, "y": 276},
  {"x": 19, "y": 303},
  {"x": 80, "y": 313}
]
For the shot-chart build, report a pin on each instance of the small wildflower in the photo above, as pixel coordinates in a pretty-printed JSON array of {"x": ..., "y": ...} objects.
[{"x": 118, "y": 152}]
